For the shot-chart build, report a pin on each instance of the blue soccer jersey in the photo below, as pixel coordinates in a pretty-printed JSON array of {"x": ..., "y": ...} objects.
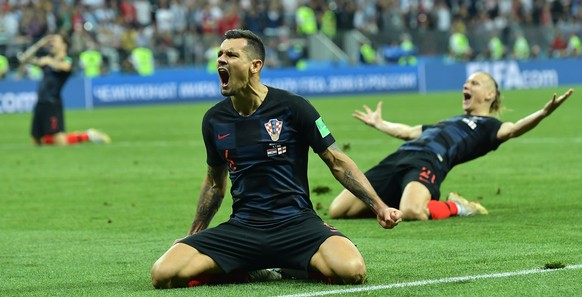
[
  {"x": 458, "y": 139},
  {"x": 266, "y": 154},
  {"x": 50, "y": 87}
]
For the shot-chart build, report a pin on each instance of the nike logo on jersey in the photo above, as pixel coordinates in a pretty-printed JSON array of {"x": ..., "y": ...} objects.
[{"x": 220, "y": 137}]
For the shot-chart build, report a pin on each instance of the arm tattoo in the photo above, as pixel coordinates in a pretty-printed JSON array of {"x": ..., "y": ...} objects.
[
  {"x": 356, "y": 187},
  {"x": 347, "y": 173},
  {"x": 211, "y": 196}
]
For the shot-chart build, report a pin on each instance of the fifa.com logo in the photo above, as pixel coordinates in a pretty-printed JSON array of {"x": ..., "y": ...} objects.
[
  {"x": 17, "y": 102},
  {"x": 509, "y": 75}
]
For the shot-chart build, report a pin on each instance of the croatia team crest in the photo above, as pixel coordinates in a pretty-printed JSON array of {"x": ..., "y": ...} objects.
[{"x": 274, "y": 127}]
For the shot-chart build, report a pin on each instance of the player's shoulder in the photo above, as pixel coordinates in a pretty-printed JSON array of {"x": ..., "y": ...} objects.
[
  {"x": 288, "y": 98},
  {"x": 283, "y": 94},
  {"x": 218, "y": 107}
]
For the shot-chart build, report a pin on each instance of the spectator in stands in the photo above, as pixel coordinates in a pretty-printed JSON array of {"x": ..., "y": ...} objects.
[
  {"x": 180, "y": 16},
  {"x": 459, "y": 47},
  {"x": 106, "y": 12},
  {"x": 272, "y": 59},
  {"x": 559, "y": 45},
  {"x": 128, "y": 12},
  {"x": 254, "y": 19},
  {"x": 4, "y": 67},
  {"x": 367, "y": 53},
  {"x": 208, "y": 20},
  {"x": 391, "y": 53},
  {"x": 442, "y": 16},
  {"x": 365, "y": 21},
  {"x": 210, "y": 55},
  {"x": 328, "y": 21},
  {"x": 521, "y": 49},
  {"x": 91, "y": 61},
  {"x": 274, "y": 20},
  {"x": 80, "y": 38},
  {"x": 142, "y": 61},
  {"x": 495, "y": 47},
  {"x": 127, "y": 38},
  {"x": 345, "y": 16},
  {"x": 574, "y": 48},
  {"x": 143, "y": 12},
  {"x": 108, "y": 44},
  {"x": 48, "y": 127},
  {"x": 410, "y": 178},
  {"x": 306, "y": 19},
  {"x": 230, "y": 19},
  {"x": 164, "y": 17},
  {"x": 409, "y": 50},
  {"x": 9, "y": 24}
]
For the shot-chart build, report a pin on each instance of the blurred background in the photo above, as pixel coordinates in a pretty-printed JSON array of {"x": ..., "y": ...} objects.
[{"x": 297, "y": 33}]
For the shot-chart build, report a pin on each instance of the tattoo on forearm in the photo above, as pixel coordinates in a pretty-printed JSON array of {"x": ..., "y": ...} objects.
[
  {"x": 211, "y": 197},
  {"x": 354, "y": 186}
]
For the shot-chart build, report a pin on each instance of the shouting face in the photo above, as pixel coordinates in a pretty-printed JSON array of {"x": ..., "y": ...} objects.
[
  {"x": 478, "y": 94},
  {"x": 234, "y": 66}
]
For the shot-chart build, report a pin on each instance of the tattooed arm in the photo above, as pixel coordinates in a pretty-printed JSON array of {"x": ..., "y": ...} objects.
[
  {"x": 351, "y": 177},
  {"x": 211, "y": 194}
]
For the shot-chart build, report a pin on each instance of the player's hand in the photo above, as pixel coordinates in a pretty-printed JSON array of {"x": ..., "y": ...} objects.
[
  {"x": 556, "y": 102},
  {"x": 369, "y": 117},
  {"x": 389, "y": 217}
]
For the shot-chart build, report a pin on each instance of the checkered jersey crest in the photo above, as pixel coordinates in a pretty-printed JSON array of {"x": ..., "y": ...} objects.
[{"x": 274, "y": 127}]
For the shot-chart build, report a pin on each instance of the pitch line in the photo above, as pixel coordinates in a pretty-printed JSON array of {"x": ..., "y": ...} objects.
[{"x": 431, "y": 282}]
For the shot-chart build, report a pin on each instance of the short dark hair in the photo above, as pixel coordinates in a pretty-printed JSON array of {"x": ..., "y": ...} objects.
[{"x": 254, "y": 42}]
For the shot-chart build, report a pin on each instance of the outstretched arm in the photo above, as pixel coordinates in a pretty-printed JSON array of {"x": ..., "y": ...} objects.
[
  {"x": 349, "y": 175},
  {"x": 511, "y": 130},
  {"x": 211, "y": 195},
  {"x": 374, "y": 119}
]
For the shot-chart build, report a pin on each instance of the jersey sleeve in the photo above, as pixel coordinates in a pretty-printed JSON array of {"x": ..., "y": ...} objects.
[
  {"x": 318, "y": 135},
  {"x": 212, "y": 156},
  {"x": 494, "y": 125}
]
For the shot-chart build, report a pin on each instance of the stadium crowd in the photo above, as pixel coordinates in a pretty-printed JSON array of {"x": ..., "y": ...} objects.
[{"x": 187, "y": 32}]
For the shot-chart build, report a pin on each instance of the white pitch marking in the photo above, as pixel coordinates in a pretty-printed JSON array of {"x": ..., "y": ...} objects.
[{"x": 432, "y": 281}]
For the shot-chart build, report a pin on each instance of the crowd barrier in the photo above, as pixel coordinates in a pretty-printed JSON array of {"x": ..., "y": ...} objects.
[{"x": 196, "y": 85}]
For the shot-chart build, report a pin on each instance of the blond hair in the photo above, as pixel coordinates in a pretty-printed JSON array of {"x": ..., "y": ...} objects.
[{"x": 495, "y": 109}]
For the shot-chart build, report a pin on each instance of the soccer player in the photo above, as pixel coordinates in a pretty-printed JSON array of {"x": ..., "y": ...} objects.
[
  {"x": 410, "y": 178},
  {"x": 48, "y": 126},
  {"x": 261, "y": 137}
]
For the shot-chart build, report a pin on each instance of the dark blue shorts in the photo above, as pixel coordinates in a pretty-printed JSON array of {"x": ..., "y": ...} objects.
[
  {"x": 291, "y": 244},
  {"x": 391, "y": 175},
  {"x": 47, "y": 119}
]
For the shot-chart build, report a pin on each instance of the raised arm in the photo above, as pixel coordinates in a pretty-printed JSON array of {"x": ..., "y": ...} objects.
[
  {"x": 374, "y": 119},
  {"x": 29, "y": 55},
  {"x": 61, "y": 63},
  {"x": 351, "y": 177},
  {"x": 511, "y": 130},
  {"x": 211, "y": 195}
]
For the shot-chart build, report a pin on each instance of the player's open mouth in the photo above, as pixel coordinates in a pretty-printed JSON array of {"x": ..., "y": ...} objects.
[
  {"x": 467, "y": 96},
  {"x": 224, "y": 76}
]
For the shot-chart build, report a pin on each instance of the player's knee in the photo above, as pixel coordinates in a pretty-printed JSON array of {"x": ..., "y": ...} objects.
[
  {"x": 161, "y": 276},
  {"x": 353, "y": 273},
  {"x": 335, "y": 212},
  {"x": 413, "y": 214}
]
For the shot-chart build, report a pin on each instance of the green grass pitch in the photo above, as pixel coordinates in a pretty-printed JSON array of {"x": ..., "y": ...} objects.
[{"x": 90, "y": 220}]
